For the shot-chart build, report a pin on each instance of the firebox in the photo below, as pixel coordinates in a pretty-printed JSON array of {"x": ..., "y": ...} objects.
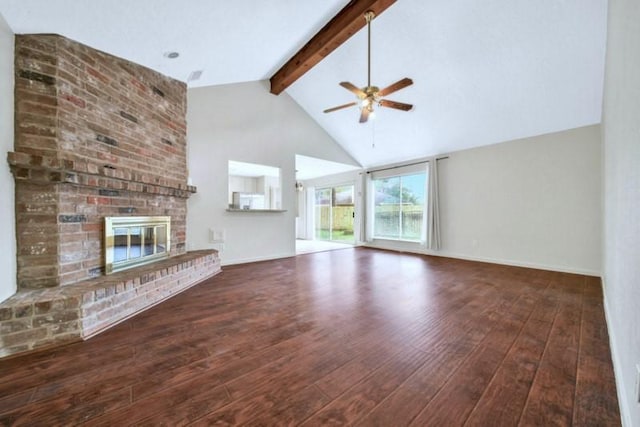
[{"x": 135, "y": 240}]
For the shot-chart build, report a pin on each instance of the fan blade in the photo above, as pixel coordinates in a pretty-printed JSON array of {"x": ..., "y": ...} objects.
[
  {"x": 353, "y": 88},
  {"x": 364, "y": 116},
  {"x": 396, "y": 105},
  {"x": 400, "y": 84},
  {"x": 340, "y": 107}
]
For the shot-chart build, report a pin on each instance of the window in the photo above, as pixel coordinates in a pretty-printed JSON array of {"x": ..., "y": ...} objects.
[{"x": 399, "y": 206}]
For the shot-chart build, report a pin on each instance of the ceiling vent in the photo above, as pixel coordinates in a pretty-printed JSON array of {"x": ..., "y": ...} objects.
[{"x": 195, "y": 75}]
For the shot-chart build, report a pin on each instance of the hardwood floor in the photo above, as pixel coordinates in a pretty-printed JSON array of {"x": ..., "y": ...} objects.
[{"x": 355, "y": 336}]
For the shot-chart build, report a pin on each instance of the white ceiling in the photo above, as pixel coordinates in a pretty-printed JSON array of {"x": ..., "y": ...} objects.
[
  {"x": 312, "y": 167},
  {"x": 484, "y": 72},
  {"x": 230, "y": 41}
]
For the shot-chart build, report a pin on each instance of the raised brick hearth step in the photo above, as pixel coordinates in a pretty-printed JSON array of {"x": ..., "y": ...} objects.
[{"x": 34, "y": 319}]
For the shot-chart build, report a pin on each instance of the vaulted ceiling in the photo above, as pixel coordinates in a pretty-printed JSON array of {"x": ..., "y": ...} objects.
[{"x": 483, "y": 71}]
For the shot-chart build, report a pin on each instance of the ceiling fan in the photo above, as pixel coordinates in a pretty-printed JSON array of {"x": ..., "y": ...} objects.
[{"x": 371, "y": 95}]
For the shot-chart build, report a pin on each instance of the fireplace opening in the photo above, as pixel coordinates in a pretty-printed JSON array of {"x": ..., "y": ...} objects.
[{"x": 135, "y": 240}]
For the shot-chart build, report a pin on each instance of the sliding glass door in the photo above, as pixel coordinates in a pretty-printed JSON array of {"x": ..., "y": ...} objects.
[
  {"x": 334, "y": 214},
  {"x": 399, "y": 207}
]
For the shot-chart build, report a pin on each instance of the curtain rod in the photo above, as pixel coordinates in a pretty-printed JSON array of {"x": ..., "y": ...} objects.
[{"x": 408, "y": 164}]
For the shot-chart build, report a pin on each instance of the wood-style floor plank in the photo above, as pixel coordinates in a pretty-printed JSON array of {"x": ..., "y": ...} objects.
[
  {"x": 450, "y": 343},
  {"x": 595, "y": 404},
  {"x": 551, "y": 397},
  {"x": 503, "y": 399},
  {"x": 356, "y": 336},
  {"x": 292, "y": 410},
  {"x": 457, "y": 398},
  {"x": 365, "y": 395}
]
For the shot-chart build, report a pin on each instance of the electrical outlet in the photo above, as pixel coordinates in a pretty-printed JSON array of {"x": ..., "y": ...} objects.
[{"x": 216, "y": 236}]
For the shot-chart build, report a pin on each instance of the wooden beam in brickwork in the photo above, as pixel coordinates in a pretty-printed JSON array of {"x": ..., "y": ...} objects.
[{"x": 337, "y": 31}]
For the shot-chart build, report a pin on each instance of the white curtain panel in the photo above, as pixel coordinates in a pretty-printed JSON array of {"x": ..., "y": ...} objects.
[
  {"x": 433, "y": 208},
  {"x": 425, "y": 218},
  {"x": 366, "y": 224}
]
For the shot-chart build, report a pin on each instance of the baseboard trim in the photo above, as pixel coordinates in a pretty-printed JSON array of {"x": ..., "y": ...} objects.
[
  {"x": 561, "y": 269},
  {"x": 537, "y": 266},
  {"x": 255, "y": 259},
  {"x": 617, "y": 367}
]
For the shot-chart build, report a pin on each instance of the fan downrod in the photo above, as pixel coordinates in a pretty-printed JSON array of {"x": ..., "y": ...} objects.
[{"x": 372, "y": 95}]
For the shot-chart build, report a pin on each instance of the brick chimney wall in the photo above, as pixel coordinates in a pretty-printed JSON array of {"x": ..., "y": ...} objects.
[{"x": 96, "y": 136}]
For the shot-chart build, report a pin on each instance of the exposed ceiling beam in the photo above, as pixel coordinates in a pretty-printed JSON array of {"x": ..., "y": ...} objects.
[{"x": 337, "y": 31}]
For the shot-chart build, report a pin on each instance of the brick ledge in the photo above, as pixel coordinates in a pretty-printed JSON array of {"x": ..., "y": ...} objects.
[
  {"x": 49, "y": 169},
  {"x": 44, "y": 318}
]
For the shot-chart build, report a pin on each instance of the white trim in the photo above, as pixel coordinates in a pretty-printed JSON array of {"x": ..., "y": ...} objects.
[
  {"x": 514, "y": 263},
  {"x": 537, "y": 266},
  {"x": 274, "y": 257},
  {"x": 625, "y": 412},
  {"x": 393, "y": 239},
  {"x": 257, "y": 259}
]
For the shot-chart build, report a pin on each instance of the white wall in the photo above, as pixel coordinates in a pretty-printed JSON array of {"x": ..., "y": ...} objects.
[
  {"x": 531, "y": 202},
  {"x": 244, "y": 122},
  {"x": 7, "y": 215},
  {"x": 621, "y": 150}
]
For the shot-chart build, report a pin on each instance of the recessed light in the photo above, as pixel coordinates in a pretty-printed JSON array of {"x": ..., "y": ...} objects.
[{"x": 171, "y": 55}]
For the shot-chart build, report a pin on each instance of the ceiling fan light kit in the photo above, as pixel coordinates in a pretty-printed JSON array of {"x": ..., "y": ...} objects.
[{"x": 369, "y": 96}]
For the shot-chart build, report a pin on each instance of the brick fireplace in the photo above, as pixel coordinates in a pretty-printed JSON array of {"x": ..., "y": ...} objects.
[{"x": 96, "y": 136}]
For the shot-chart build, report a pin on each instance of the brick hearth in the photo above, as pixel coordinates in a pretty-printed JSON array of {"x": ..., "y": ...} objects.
[
  {"x": 95, "y": 136},
  {"x": 43, "y": 318}
]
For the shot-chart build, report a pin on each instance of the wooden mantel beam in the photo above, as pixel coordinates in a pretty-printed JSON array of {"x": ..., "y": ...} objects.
[{"x": 337, "y": 31}]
